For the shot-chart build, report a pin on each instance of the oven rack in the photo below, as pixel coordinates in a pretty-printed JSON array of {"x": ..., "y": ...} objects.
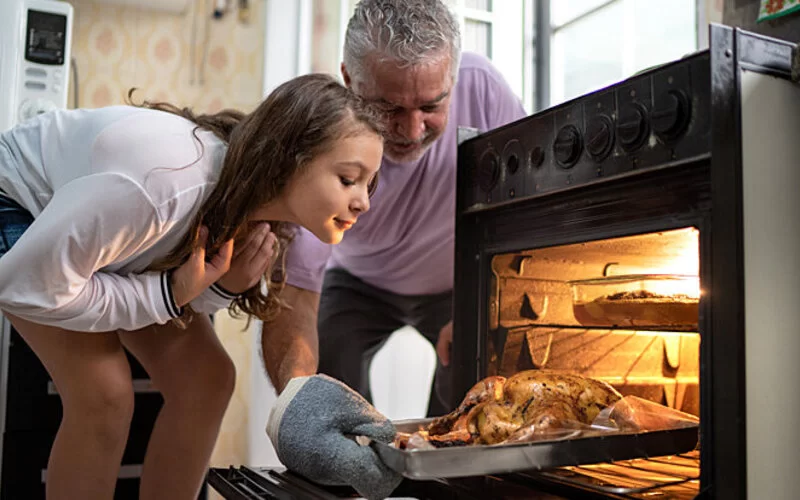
[
  {"x": 245, "y": 483},
  {"x": 675, "y": 477},
  {"x": 571, "y": 349}
]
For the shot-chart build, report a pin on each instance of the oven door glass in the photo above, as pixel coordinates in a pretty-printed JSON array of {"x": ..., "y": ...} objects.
[{"x": 621, "y": 310}]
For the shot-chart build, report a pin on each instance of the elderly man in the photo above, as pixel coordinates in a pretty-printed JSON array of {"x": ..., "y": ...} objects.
[{"x": 395, "y": 267}]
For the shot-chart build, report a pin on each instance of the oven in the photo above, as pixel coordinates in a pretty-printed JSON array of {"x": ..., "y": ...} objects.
[{"x": 645, "y": 235}]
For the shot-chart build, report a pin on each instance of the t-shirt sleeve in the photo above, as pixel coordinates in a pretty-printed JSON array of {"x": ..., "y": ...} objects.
[
  {"x": 53, "y": 274},
  {"x": 306, "y": 260}
]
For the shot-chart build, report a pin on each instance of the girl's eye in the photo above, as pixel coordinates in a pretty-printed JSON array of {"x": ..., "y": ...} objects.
[{"x": 346, "y": 182}]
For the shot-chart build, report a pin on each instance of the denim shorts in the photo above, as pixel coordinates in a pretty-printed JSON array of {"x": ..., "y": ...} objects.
[{"x": 14, "y": 220}]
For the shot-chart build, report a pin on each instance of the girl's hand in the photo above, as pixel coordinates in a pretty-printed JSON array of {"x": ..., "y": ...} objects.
[
  {"x": 195, "y": 275},
  {"x": 251, "y": 259}
]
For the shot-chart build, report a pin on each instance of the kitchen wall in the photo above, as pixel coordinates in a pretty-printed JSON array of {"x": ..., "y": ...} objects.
[
  {"x": 190, "y": 60},
  {"x": 744, "y": 13}
]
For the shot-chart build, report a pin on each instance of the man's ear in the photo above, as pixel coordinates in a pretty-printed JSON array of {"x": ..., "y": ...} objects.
[{"x": 346, "y": 76}]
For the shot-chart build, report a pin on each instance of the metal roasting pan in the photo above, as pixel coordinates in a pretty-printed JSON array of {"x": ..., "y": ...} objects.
[{"x": 477, "y": 460}]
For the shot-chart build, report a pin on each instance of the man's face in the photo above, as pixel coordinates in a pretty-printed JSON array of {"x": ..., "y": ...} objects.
[{"x": 416, "y": 100}]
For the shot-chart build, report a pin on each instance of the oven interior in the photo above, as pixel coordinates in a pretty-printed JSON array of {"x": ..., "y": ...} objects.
[{"x": 623, "y": 310}]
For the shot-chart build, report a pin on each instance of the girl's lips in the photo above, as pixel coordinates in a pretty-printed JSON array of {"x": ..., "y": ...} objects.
[{"x": 344, "y": 224}]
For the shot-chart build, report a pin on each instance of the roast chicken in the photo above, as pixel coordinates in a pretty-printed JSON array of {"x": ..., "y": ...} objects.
[{"x": 496, "y": 408}]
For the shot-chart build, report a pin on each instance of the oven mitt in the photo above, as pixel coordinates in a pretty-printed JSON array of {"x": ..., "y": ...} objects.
[{"x": 312, "y": 427}]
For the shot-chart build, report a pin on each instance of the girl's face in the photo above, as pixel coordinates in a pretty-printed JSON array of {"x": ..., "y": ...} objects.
[{"x": 329, "y": 194}]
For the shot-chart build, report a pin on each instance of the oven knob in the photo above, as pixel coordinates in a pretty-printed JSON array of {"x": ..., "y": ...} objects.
[
  {"x": 567, "y": 147},
  {"x": 512, "y": 156},
  {"x": 632, "y": 128},
  {"x": 671, "y": 113},
  {"x": 599, "y": 137},
  {"x": 537, "y": 157},
  {"x": 512, "y": 164},
  {"x": 488, "y": 171}
]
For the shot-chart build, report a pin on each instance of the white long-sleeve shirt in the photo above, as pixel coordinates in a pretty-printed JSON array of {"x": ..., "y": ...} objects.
[{"x": 112, "y": 190}]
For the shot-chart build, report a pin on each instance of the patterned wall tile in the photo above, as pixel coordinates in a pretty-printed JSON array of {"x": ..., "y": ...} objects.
[{"x": 180, "y": 57}]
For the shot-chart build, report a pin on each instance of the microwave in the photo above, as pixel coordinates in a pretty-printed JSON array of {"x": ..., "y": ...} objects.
[{"x": 35, "y": 39}]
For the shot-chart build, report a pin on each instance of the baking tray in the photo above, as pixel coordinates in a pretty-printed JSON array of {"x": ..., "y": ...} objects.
[
  {"x": 477, "y": 460},
  {"x": 651, "y": 301}
]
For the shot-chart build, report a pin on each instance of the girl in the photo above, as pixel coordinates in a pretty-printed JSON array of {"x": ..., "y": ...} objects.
[{"x": 124, "y": 227}]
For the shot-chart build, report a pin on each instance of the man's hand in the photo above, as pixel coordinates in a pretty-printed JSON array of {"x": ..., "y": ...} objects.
[
  {"x": 443, "y": 344},
  {"x": 312, "y": 427},
  {"x": 195, "y": 275},
  {"x": 251, "y": 259}
]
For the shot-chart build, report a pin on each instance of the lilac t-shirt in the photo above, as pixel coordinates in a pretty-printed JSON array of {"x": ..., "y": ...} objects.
[{"x": 405, "y": 242}]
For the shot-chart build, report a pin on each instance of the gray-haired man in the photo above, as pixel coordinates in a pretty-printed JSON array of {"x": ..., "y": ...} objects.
[{"x": 395, "y": 267}]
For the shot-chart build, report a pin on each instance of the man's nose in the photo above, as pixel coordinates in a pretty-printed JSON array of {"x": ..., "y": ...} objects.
[{"x": 410, "y": 125}]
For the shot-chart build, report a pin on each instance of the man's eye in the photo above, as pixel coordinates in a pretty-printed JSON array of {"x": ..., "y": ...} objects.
[
  {"x": 389, "y": 109},
  {"x": 346, "y": 182},
  {"x": 429, "y": 109}
]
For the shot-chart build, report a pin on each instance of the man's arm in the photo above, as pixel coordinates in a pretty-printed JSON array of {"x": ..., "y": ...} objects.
[{"x": 289, "y": 343}]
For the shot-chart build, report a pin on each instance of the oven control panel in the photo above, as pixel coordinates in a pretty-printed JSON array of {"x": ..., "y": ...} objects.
[{"x": 655, "y": 119}]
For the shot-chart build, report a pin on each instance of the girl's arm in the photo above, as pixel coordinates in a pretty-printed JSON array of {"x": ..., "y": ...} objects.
[{"x": 51, "y": 275}]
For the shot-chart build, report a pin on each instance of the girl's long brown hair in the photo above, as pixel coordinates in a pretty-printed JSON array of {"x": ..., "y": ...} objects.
[{"x": 299, "y": 120}]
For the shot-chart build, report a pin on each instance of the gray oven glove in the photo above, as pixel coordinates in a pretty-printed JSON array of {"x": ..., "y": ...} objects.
[{"x": 312, "y": 427}]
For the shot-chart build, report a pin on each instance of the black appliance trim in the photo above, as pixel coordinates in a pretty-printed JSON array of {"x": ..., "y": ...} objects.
[
  {"x": 723, "y": 449},
  {"x": 732, "y": 50}
]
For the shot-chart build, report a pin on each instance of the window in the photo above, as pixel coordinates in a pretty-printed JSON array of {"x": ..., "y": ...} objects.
[
  {"x": 549, "y": 51},
  {"x": 595, "y": 43},
  {"x": 497, "y": 29}
]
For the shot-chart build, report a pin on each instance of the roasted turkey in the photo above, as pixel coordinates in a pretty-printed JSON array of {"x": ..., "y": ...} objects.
[{"x": 534, "y": 401}]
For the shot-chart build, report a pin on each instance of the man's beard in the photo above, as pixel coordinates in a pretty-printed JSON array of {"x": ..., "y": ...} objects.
[{"x": 412, "y": 155}]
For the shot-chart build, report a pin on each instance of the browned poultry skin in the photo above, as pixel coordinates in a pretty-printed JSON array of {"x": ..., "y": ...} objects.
[
  {"x": 453, "y": 438},
  {"x": 533, "y": 387},
  {"x": 540, "y": 398},
  {"x": 488, "y": 389},
  {"x": 492, "y": 422}
]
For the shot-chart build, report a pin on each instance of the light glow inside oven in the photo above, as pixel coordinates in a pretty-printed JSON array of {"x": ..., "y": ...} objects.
[{"x": 622, "y": 310}]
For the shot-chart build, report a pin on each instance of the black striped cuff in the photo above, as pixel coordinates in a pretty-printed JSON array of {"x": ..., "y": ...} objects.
[
  {"x": 166, "y": 292},
  {"x": 225, "y": 294}
]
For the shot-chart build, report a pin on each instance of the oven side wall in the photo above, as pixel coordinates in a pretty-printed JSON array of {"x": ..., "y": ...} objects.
[{"x": 770, "y": 120}]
